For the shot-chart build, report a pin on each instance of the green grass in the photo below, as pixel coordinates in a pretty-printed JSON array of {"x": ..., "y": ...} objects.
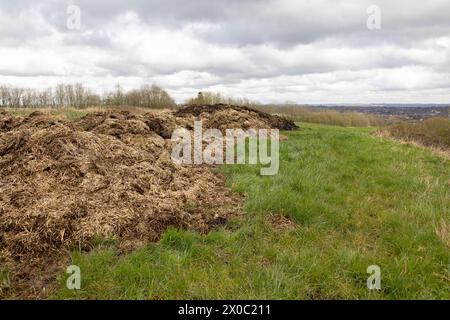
[{"x": 357, "y": 200}]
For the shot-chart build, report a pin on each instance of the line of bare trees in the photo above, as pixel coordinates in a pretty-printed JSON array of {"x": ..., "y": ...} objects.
[
  {"x": 77, "y": 96},
  {"x": 145, "y": 97},
  {"x": 207, "y": 97}
]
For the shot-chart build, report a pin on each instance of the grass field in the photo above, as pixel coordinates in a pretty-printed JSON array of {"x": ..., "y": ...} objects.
[{"x": 353, "y": 200}]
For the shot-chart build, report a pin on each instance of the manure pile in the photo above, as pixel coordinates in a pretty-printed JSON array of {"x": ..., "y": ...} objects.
[
  {"x": 222, "y": 116},
  {"x": 108, "y": 174}
]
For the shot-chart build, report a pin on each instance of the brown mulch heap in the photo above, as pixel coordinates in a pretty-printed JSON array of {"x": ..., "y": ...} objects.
[
  {"x": 222, "y": 116},
  {"x": 108, "y": 174}
]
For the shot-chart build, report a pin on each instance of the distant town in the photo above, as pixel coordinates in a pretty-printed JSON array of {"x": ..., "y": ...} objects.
[{"x": 404, "y": 111}]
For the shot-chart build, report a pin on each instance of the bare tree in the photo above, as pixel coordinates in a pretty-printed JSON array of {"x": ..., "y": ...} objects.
[{"x": 77, "y": 96}]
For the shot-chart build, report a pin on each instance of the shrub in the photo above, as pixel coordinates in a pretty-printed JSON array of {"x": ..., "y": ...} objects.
[
  {"x": 430, "y": 132},
  {"x": 330, "y": 117}
]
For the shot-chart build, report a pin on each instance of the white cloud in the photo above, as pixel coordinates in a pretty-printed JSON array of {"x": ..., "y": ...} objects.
[{"x": 271, "y": 51}]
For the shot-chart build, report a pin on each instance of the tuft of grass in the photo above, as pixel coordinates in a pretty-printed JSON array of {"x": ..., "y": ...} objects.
[
  {"x": 356, "y": 200},
  {"x": 4, "y": 279}
]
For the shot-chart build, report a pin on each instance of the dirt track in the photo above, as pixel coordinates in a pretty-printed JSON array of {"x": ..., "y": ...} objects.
[{"x": 106, "y": 175}]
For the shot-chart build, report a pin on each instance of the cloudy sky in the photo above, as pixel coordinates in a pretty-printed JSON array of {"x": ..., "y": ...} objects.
[{"x": 309, "y": 51}]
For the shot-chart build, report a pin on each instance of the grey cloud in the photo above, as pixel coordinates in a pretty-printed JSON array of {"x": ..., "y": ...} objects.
[
  {"x": 268, "y": 21},
  {"x": 258, "y": 21}
]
